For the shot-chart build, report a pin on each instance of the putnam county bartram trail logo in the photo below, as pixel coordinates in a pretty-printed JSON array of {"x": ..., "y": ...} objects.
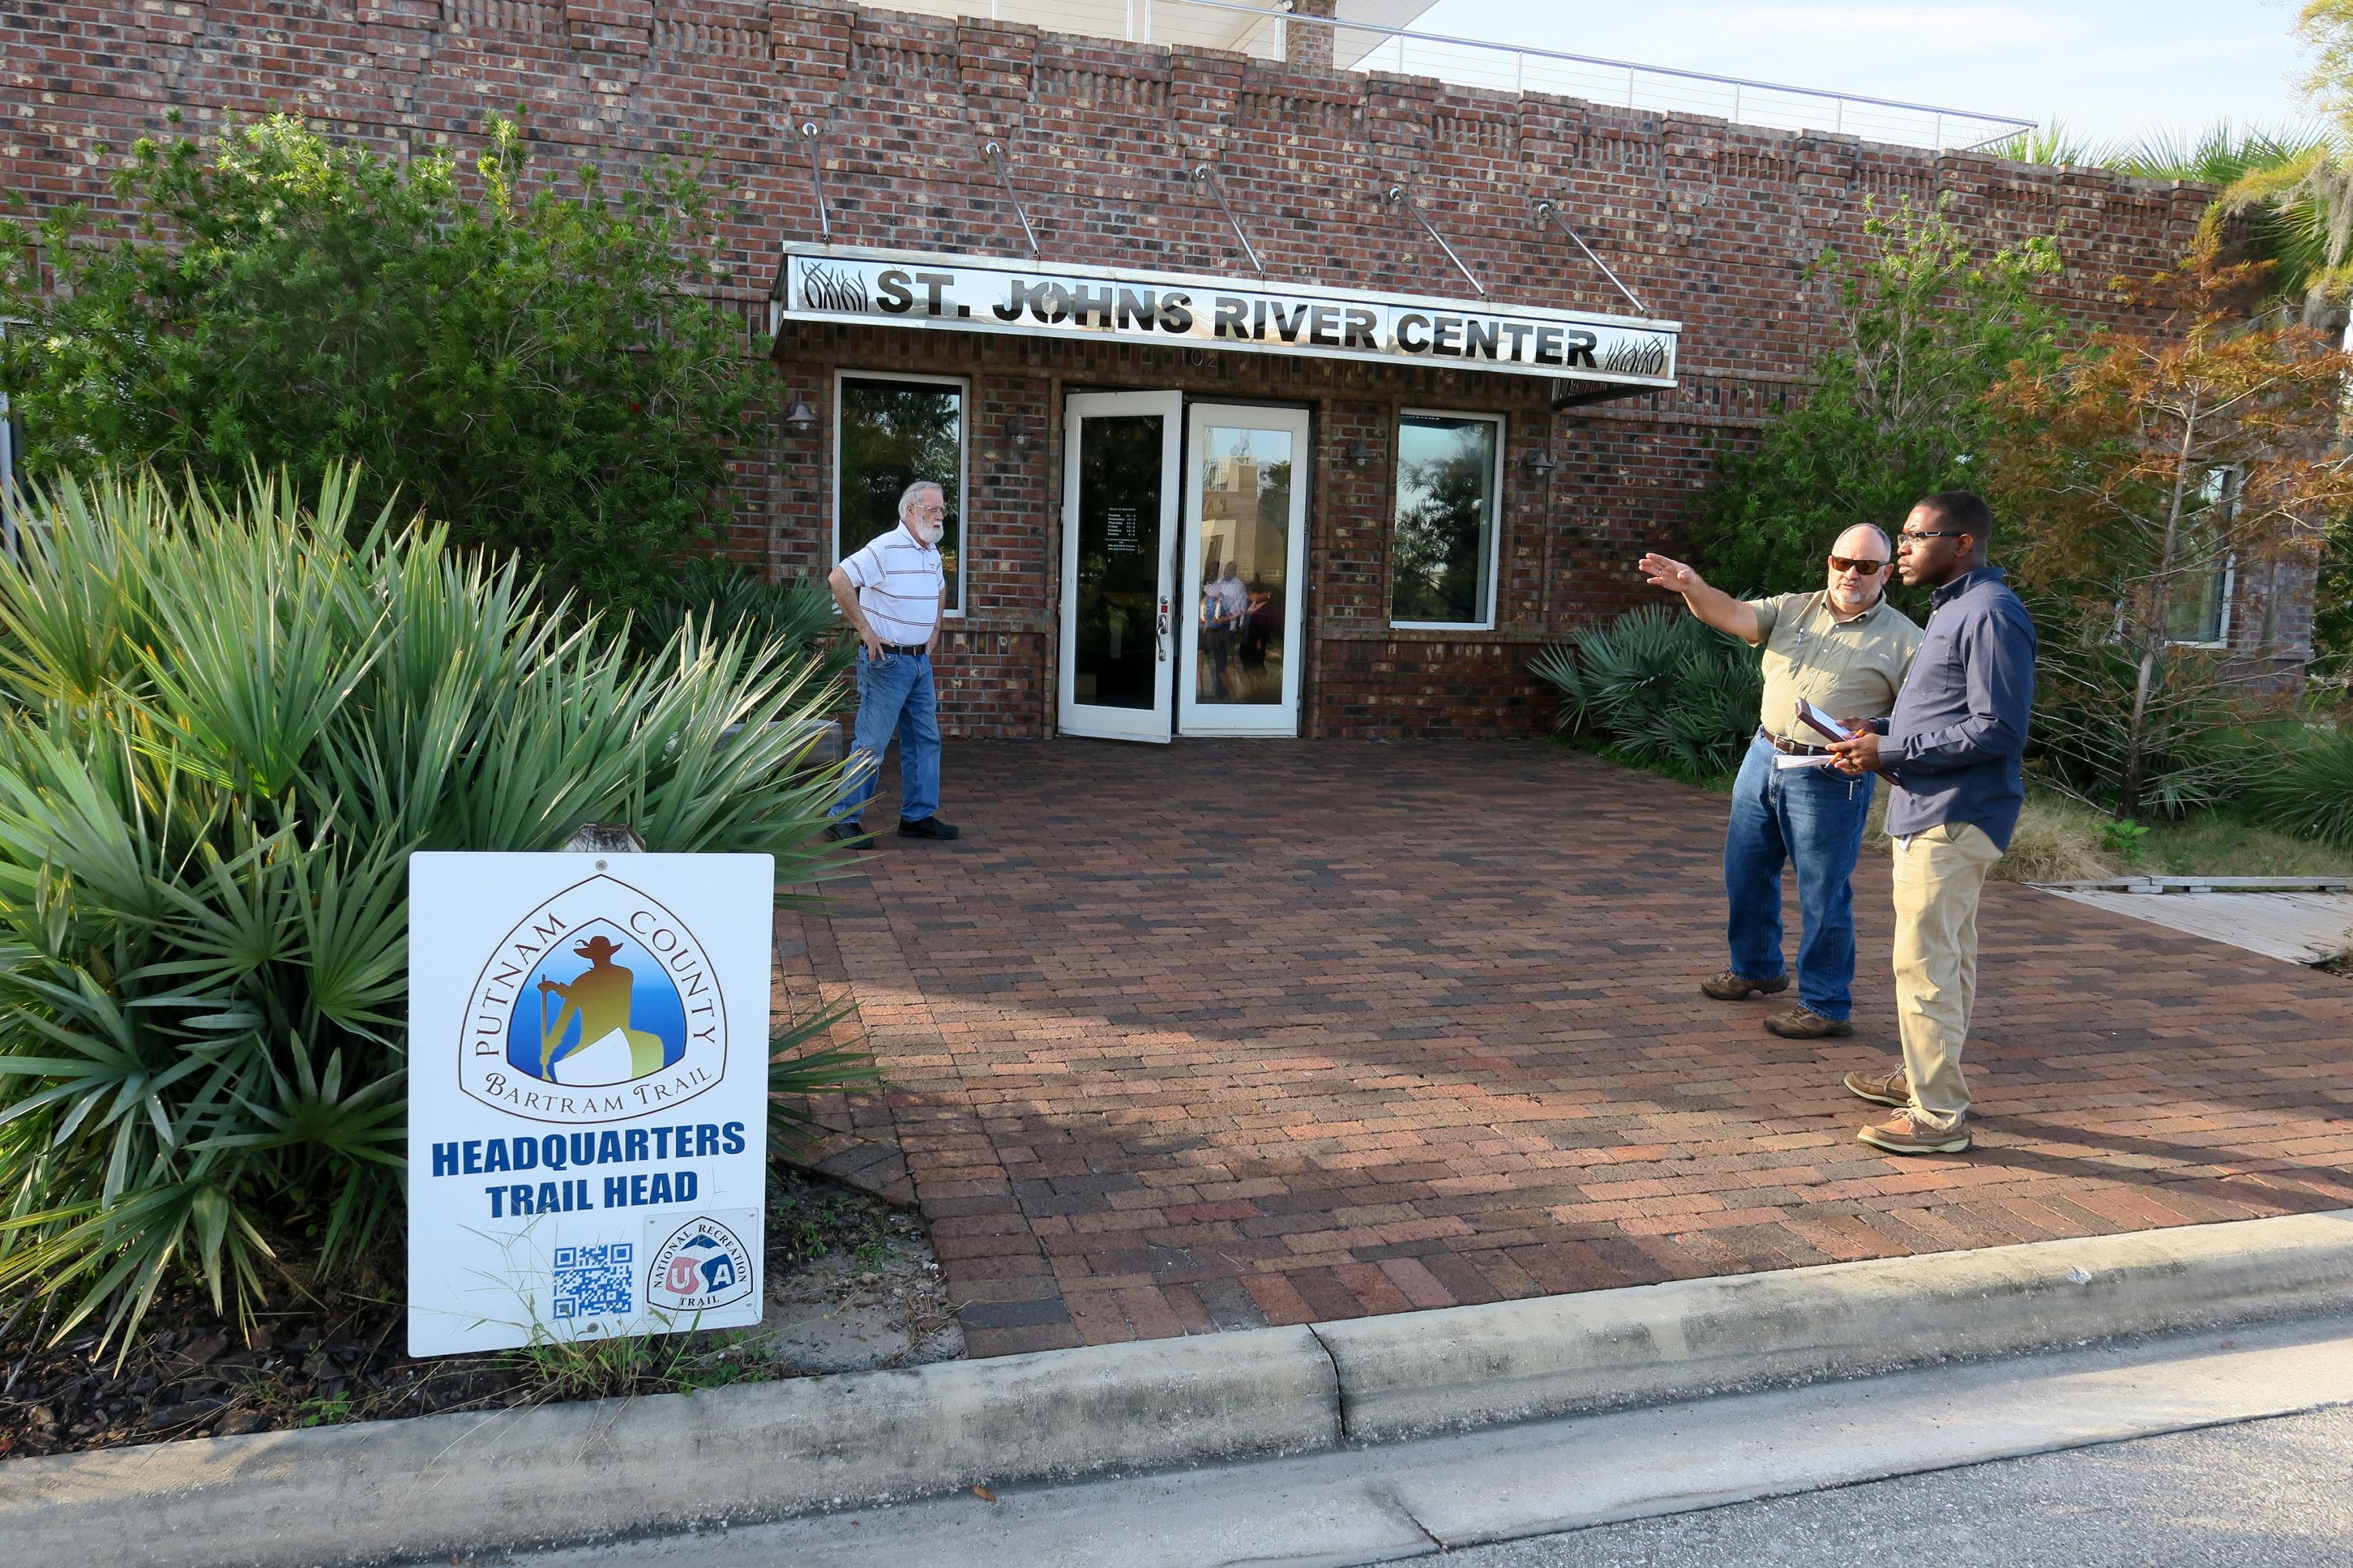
[
  {"x": 702, "y": 1265},
  {"x": 599, "y": 1005}
]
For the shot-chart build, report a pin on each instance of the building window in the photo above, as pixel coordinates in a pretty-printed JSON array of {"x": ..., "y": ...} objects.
[
  {"x": 1442, "y": 537},
  {"x": 887, "y": 433},
  {"x": 2198, "y": 610}
]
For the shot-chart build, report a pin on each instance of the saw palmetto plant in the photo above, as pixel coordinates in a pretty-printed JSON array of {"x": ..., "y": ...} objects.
[
  {"x": 225, "y": 723},
  {"x": 1662, "y": 689}
]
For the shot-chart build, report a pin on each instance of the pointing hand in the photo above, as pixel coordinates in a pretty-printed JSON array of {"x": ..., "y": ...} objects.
[{"x": 1665, "y": 572}]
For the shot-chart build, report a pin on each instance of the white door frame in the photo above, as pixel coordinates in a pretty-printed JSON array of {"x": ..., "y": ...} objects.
[
  {"x": 1196, "y": 718},
  {"x": 1156, "y": 722}
]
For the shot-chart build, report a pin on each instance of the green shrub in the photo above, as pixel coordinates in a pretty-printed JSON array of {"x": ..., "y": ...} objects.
[
  {"x": 1925, "y": 323},
  {"x": 2308, "y": 789},
  {"x": 538, "y": 365},
  {"x": 800, "y": 614},
  {"x": 1661, "y": 688},
  {"x": 223, "y": 728}
]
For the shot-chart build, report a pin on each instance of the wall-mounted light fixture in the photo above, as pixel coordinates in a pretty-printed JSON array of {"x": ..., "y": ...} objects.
[
  {"x": 1538, "y": 463},
  {"x": 1017, "y": 433},
  {"x": 1360, "y": 454},
  {"x": 800, "y": 418}
]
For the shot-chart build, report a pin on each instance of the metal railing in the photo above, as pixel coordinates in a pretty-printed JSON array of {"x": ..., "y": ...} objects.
[{"x": 1270, "y": 30}]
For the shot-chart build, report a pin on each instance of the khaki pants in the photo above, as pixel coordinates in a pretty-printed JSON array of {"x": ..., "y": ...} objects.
[{"x": 1938, "y": 874}]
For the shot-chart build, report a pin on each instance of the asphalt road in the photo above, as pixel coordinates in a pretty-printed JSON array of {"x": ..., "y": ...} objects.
[{"x": 2262, "y": 1494}]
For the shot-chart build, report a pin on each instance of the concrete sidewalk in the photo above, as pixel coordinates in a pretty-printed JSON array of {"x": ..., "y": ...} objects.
[
  {"x": 1225, "y": 1035},
  {"x": 447, "y": 1485},
  {"x": 1456, "y": 1494}
]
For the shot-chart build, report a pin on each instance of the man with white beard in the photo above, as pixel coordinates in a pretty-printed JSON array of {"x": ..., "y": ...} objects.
[
  {"x": 1846, "y": 650},
  {"x": 894, "y": 591}
]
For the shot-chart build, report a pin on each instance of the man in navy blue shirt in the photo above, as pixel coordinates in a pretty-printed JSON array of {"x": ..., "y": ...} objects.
[{"x": 1952, "y": 752}]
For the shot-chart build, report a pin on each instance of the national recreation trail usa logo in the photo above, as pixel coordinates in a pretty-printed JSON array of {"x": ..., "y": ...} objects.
[
  {"x": 600, "y": 1003},
  {"x": 703, "y": 1264}
]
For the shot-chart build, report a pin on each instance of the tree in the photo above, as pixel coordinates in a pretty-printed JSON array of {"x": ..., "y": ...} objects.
[
  {"x": 2135, "y": 472},
  {"x": 535, "y": 369},
  {"x": 1925, "y": 324}
]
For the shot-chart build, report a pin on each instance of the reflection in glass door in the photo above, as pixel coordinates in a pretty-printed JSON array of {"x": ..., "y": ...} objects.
[
  {"x": 1119, "y": 521},
  {"x": 1246, "y": 507}
]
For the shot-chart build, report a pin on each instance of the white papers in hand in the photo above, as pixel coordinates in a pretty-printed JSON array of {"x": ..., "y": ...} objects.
[
  {"x": 1783, "y": 759},
  {"x": 1814, "y": 717}
]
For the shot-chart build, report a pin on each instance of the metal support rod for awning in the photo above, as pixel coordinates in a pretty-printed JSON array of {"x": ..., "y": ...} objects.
[
  {"x": 1546, "y": 207},
  {"x": 810, "y": 134},
  {"x": 1005, "y": 177},
  {"x": 1208, "y": 177},
  {"x": 1397, "y": 197}
]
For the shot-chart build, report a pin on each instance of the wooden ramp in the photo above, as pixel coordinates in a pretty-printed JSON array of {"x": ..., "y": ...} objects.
[{"x": 2301, "y": 921}]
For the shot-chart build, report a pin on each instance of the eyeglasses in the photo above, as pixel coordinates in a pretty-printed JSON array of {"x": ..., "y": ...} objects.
[
  {"x": 1911, "y": 537},
  {"x": 1868, "y": 568}
]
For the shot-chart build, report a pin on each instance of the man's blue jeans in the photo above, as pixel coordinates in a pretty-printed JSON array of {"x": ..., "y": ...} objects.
[
  {"x": 1813, "y": 819},
  {"x": 894, "y": 694}
]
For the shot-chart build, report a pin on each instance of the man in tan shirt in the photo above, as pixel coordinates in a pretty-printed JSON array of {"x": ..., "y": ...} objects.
[{"x": 1846, "y": 650}]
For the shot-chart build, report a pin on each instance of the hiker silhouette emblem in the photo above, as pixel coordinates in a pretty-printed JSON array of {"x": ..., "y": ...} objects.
[
  {"x": 603, "y": 1048},
  {"x": 600, "y": 1003}
]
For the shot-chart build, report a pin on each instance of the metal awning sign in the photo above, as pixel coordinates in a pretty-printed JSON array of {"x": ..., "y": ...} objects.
[{"x": 963, "y": 293}]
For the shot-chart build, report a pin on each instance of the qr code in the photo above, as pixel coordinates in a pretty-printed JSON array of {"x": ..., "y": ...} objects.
[{"x": 595, "y": 1281}]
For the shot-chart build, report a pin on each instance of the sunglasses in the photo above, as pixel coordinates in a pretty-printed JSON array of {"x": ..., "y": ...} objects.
[{"x": 1868, "y": 568}]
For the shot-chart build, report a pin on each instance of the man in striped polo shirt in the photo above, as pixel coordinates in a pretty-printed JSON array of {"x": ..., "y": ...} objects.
[{"x": 893, "y": 591}]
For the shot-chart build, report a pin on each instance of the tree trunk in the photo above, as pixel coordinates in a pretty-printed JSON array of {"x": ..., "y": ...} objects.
[{"x": 2153, "y": 627}]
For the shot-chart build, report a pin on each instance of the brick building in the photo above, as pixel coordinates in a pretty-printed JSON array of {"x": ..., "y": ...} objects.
[{"x": 1401, "y": 528}]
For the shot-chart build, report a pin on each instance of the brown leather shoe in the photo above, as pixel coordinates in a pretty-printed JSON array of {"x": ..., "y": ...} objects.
[
  {"x": 1881, "y": 1087},
  {"x": 1901, "y": 1137},
  {"x": 1805, "y": 1024},
  {"x": 1730, "y": 987}
]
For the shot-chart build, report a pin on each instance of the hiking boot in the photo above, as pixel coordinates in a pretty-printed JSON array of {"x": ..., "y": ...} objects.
[
  {"x": 1805, "y": 1024},
  {"x": 1730, "y": 987},
  {"x": 926, "y": 827},
  {"x": 849, "y": 833},
  {"x": 1881, "y": 1087},
  {"x": 1902, "y": 1137}
]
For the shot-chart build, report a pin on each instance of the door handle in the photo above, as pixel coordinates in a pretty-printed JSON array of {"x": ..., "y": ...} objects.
[{"x": 1160, "y": 639}]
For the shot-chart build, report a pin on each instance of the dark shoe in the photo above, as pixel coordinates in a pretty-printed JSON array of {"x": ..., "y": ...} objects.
[
  {"x": 1881, "y": 1087},
  {"x": 926, "y": 827},
  {"x": 1730, "y": 987},
  {"x": 1901, "y": 1137},
  {"x": 849, "y": 833},
  {"x": 1805, "y": 1024}
]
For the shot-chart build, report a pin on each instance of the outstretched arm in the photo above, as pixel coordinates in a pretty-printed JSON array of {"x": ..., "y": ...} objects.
[{"x": 1711, "y": 604}]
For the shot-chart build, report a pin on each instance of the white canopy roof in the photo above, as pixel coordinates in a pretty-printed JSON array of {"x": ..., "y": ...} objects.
[{"x": 1180, "y": 21}]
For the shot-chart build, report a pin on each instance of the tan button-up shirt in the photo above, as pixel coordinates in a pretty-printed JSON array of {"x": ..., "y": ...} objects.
[{"x": 1847, "y": 667}]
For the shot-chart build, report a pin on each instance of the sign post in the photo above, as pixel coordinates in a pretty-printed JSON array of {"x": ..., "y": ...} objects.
[{"x": 587, "y": 1101}]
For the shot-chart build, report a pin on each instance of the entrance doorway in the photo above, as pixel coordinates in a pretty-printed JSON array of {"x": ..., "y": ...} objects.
[{"x": 1182, "y": 601}]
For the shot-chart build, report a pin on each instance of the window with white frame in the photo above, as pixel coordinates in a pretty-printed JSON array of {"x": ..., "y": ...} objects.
[
  {"x": 1443, "y": 533},
  {"x": 890, "y": 431},
  {"x": 2198, "y": 611}
]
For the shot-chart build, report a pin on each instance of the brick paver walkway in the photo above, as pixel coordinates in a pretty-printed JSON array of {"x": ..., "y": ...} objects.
[{"x": 1227, "y": 1033}]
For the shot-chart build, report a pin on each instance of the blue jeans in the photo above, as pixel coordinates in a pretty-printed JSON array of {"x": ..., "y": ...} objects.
[
  {"x": 1814, "y": 818},
  {"x": 894, "y": 693}
]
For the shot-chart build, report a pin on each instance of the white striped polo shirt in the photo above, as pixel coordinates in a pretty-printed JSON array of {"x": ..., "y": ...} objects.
[{"x": 899, "y": 581}]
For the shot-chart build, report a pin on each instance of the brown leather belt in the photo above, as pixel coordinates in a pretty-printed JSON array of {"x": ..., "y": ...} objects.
[{"x": 1791, "y": 748}]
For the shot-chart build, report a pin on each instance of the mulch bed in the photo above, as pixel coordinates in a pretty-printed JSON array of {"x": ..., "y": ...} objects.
[{"x": 311, "y": 1363}]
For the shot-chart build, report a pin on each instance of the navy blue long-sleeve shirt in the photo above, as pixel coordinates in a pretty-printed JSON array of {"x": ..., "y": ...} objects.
[{"x": 1954, "y": 742}]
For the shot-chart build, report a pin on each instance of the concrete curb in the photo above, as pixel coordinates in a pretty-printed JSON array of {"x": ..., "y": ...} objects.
[{"x": 450, "y": 1484}]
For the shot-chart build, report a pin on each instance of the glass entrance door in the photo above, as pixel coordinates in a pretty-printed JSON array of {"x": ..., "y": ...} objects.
[
  {"x": 1246, "y": 541},
  {"x": 1119, "y": 619}
]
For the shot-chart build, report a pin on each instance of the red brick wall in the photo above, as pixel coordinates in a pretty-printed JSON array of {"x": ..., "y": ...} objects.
[{"x": 1711, "y": 223}]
